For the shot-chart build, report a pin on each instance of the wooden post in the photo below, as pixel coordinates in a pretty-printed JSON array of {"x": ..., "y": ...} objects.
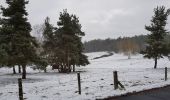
[
  {"x": 20, "y": 89},
  {"x": 79, "y": 83},
  {"x": 115, "y": 80},
  {"x": 165, "y": 73}
]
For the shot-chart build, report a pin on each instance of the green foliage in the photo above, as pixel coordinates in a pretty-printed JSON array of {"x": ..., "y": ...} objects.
[
  {"x": 62, "y": 45},
  {"x": 15, "y": 34},
  {"x": 70, "y": 34},
  {"x": 3, "y": 54},
  {"x": 156, "y": 42},
  {"x": 157, "y": 46},
  {"x": 4, "y": 44},
  {"x": 41, "y": 64},
  {"x": 49, "y": 42},
  {"x": 21, "y": 45}
]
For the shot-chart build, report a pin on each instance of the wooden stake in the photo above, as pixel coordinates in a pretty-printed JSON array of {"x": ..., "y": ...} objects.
[
  {"x": 115, "y": 80},
  {"x": 20, "y": 89},
  {"x": 79, "y": 83},
  {"x": 166, "y": 74}
]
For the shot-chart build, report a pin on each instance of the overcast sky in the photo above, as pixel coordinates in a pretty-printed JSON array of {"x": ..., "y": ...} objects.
[{"x": 99, "y": 18}]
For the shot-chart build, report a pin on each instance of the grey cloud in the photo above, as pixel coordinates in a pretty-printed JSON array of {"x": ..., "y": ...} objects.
[{"x": 99, "y": 18}]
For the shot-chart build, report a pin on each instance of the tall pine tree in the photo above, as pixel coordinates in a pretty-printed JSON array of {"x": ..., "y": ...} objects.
[
  {"x": 48, "y": 39},
  {"x": 70, "y": 46},
  {"x": 21, "y": 45},
  {"x": 48, "y": 44},
  {"x": 157, "y": 46}
]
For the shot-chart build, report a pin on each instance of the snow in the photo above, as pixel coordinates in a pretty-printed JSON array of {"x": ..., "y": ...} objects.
[{"x": 135, "y": 74}]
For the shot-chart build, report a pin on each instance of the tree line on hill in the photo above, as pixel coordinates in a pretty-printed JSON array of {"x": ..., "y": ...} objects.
[
  {"x": 137, "y": 43},
  {"x": 122, "y": 44}
]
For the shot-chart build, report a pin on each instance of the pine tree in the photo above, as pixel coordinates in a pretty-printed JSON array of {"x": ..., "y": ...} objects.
[
  {"x": 47, "y": 45},
  {"x": 49, "y": 42},
  {"x": 3, "y": 45},
  {"x": 69, "y": 43},
  {"x": 62, "y": 46},
  {"x": 48, "y": 36},
  {"x": 5, "y": 31},
  {"x": 21, "y": 45},
  {"x": 156, "y": 45}
]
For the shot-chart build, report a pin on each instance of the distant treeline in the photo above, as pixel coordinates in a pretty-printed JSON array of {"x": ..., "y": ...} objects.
[{"x": 117, "y": 45}]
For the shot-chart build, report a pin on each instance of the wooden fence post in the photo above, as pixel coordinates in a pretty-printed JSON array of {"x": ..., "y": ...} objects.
[
  {"x": 20, "y": 89},
  {"x": 166, "y": 74},
  {"x": 79, "y": 83},
  {"x": 115, "y": 80}
]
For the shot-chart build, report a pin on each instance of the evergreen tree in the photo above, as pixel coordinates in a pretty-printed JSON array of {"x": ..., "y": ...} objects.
[
  {"x": 157, "y": 46},
  {"x": 41, "y": 63},
  {"x": 69, "y": 45},
  {"x": 5, "y": 33},
  {"x": 63, "y": 46},
  {"x": 3, "y": 44},
  {"x": 47, "y": 45},
  {"x": 21, "y": 45},
  {"x": 48, "y": 36}
]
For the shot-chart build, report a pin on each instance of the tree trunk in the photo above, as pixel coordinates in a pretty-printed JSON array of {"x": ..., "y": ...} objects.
[
  {"x": 19, "y": 69},
  {"x": 73, "y": 68},
  {"x": 69, "y": 68},
  {"x": 155, "y": 66},
  {"x": 23, "y": 71},
  {"x": 45, "y": 70},
  {"x": 14, "y": 72}
]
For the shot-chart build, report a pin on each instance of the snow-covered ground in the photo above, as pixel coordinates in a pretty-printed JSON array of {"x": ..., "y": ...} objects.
[{"x": 135, "y": 74}]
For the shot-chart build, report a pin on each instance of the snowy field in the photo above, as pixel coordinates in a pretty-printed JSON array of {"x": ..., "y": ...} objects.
[{"x": 135, "y": 74}]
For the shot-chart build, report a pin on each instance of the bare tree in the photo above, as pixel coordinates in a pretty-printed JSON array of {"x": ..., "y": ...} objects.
[
  {"x": 37, "y": 32},
  {"x": 128, "y": 47}
]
